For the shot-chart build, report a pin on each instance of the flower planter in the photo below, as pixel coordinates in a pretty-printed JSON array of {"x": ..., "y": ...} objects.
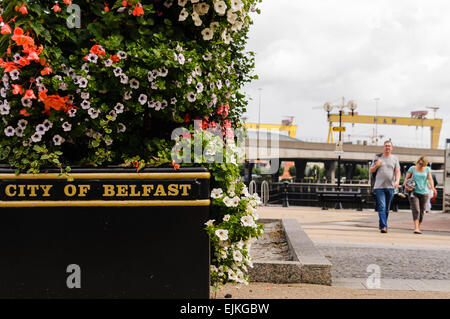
[{"x": 110, "y": 233}]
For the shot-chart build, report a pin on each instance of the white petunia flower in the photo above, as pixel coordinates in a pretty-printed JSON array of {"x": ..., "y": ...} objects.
[
  {"x": 134, "y": 84},
  {"x": 201, "y": 8},
  {"x": 92, "y": 58},
  {"x": 19, "y": 131},
  {"x": 220, "y": 7},
  {"x": 119, "y": 108},
  {"x": 72, "y": 112},
  {"x": 82, "y": 83},
  {"x": 14, "y": 75},
  {"x": 67, "y": 126},
  {"x": 117, "y": 71},
  {"x": 168, "y": 3},
  {"x": 41, "y": 129},
  {"x": 199, "y": 87},
  {"x": 36, "y": 137},
  {"x": 121, "y": 55},
  {"x": 9, "y": 131},
  {"x": 191, "y": 97},
  {"x": 226, "y": 218},
  {"x": 22, "y": 123},
  {"x": 85, "y": 105},
  {"x": 93, "y": 113},
  {"x": 108, "y": 63},
  {"x": 247, "y": 221},
  {"x": 237, "y": 256},
  {"x": 222, "y": 234},
  {"x": 231, "y": 17},
  {"x": 181, "y": 58},
  {"x": 210, "y": 222},
  {"x": 142, "y": 99},
  {"x": 127, "y": 96},
  {"x": 236, "y": 5},
  {"x": 47, "y": 124},
  {"x": 196, "y": 18},
  {"x": 122, "y": 128},
  {"x": 216, "y": 193},
  {"x": 58, "y": 140},
  {"x": 207, "y": 34},
  {"x": 183, "y": 15},
  {"x": 123, "y": 79}
]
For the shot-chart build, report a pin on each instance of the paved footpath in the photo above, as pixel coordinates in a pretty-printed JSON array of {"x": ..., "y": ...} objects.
[{"x": 408, "y": 265}]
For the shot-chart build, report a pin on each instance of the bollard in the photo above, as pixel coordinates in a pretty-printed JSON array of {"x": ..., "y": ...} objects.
[{"x": 285, "y": 199}]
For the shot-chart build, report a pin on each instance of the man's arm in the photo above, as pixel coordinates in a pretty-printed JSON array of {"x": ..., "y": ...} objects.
[{"x": 397, "y": 177}]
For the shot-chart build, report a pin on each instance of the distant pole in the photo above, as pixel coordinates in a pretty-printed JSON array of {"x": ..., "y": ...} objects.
[
  {"x": 259, "y": 118},
  {"x": 259, "y": 108},
  {"x": 339, "y": 157},
  {"x": 376, "y": 119}
]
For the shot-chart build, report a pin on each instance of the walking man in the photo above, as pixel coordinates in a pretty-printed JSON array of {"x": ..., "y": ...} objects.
[{"x": 387, "y": 169}]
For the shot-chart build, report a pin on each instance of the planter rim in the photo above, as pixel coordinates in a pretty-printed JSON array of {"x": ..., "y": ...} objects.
[{"x": 6, "y": 169}]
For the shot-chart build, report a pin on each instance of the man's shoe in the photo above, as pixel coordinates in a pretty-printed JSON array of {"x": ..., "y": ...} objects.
[{"x": 383, "y": 231}]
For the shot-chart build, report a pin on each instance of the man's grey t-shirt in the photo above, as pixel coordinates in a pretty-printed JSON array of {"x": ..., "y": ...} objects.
[{"x": 386, "y": 172}]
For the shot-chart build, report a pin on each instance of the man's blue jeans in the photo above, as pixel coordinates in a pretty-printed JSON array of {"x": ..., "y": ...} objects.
[{"x": 384, "y": 201}]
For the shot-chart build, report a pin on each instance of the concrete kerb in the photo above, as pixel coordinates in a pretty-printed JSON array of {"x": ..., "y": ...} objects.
[{"x": 307, "y": 264}]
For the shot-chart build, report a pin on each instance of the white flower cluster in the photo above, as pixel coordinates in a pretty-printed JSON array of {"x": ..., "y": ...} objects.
[
  {"x": 233, "y": 257},
  {"x": 235, "y": 17}
]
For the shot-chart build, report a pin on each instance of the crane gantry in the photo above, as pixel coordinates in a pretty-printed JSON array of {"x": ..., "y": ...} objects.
[{"x": 434, "y": 124}]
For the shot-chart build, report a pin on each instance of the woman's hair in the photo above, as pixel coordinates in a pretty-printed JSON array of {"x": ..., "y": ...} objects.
[{"x": 424, "y": 159}]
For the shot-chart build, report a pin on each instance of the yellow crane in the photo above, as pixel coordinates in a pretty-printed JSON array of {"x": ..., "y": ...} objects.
[
  {"x": 434, "y": 124},
  {"x": 292, "y": 129}
]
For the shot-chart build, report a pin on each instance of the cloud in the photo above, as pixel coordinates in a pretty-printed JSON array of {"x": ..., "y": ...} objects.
[{"x": 311, "y": 52}]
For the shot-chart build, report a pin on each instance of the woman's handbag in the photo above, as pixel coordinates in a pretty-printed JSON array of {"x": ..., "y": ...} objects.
[{"x": 411, "y": 183}]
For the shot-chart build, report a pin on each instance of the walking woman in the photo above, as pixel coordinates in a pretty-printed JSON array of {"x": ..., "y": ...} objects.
[{"x": 423, "y": 181}]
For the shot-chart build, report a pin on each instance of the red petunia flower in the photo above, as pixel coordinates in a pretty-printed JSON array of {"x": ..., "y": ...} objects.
[
  {"x": 22, "y": 39},
  {"x": 29, "y": 94},
  {"x": 6, "y": 29},
  {"x": 97, "y": 50},
  {"x": 56, "y": 8},
  {"x": 175, "y": 165},
  {"x": 24, "y": 112},
  {"x": 17, "y": 89},
  {"x": 23, "y": 9},
  {"x": 138, "y": 10},
  {"x": 47, "y": 70},
  {"x": 114, "y": 58},
  {"x": 68, "y": 2}
]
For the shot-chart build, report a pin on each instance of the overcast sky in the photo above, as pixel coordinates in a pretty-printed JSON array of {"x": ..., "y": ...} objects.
[{"x": 309, "y": 52}]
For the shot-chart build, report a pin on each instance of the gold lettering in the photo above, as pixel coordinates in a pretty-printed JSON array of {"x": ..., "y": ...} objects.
[
  {"x": 133, "y": 191},
  {"x": 46, "y": 189},
  {"x": 122, "y": 190},
  {"x": 70, "y": 190},
  {"x": 108, "y": 190},
  {"x": 160, "y": 191},
  {"x": 185, "y": 188},
  {"x": 21, "y": 190},
  {"x": 83, "y": 189},
  {"x": 8, "y": 190},
  {"x": 147, "y": 189},
  {"x": 33, "y": 189},
  {"x": 173, "y": 190}
]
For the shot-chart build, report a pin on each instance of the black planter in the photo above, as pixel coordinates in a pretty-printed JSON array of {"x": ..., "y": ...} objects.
[{"x": 110, "y": 233}]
